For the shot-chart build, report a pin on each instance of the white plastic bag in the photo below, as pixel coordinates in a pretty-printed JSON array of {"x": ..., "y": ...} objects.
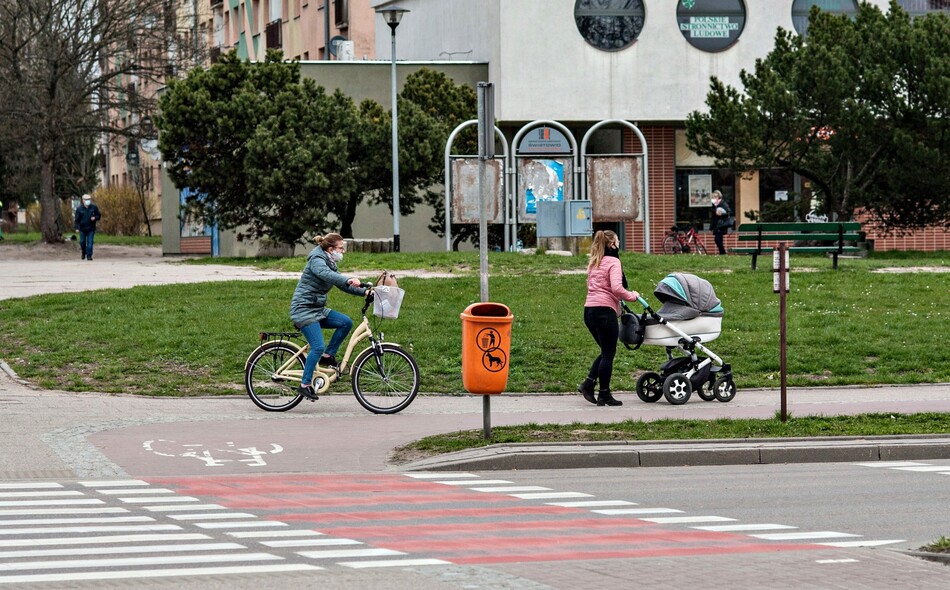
[{"x": 386, "y": 301}]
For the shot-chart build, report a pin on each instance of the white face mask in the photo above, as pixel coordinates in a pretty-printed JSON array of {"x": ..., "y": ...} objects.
[
  {"x": 336, "y": 256},
  {"x": 86, "y": 202}
]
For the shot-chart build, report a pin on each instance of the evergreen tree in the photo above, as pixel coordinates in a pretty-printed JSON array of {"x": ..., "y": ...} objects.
[{"x": 860, "y": 107}]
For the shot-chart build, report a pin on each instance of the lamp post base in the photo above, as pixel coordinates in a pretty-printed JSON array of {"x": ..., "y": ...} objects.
[{"x": 396, "y": 243}]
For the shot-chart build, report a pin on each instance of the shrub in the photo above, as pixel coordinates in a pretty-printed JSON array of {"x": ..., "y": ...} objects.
[
  {"x": 122, "y": 211},
  {"x": 33, "y": 215}
]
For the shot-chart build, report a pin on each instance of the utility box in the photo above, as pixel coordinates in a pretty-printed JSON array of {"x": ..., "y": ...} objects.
[
  {"x": 580, "y": 218},
  {"x": 486, "y": 347},
  {"x": 550, "y": 219}
]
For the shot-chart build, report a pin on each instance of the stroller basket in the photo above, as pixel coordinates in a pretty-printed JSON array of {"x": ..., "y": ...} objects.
[{"x": 706, "y": 327}]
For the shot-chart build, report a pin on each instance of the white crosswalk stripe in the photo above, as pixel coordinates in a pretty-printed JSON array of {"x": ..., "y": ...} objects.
[{"x": 113, "y": 530}]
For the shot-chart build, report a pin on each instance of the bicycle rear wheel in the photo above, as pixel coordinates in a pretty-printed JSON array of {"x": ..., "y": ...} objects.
[
  {"x": 386, "y": 386},
  {"x": 267, "y": 389},
  {"x": 671, "y": 245}
]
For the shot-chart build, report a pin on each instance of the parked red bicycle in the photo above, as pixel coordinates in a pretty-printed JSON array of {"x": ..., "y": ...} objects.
[{"x": 683, "y": 241}]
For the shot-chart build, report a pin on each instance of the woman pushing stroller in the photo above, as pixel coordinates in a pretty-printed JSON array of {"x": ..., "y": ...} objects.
[{"x": 606, "y": 286}]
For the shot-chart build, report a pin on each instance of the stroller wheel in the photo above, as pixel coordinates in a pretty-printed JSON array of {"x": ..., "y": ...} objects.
[
  {"x": 706, "y": 396},
  {"x": 650, "y": 387},
  {"x": 724, "y": 389},
  {"x": 677, "y": 389}
]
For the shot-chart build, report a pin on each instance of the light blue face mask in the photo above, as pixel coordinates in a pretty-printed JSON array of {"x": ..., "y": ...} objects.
[{"x": 336, "y": 256}]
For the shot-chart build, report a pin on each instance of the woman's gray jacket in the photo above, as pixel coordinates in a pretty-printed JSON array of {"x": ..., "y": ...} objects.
[{"x": 309, "y": 304}]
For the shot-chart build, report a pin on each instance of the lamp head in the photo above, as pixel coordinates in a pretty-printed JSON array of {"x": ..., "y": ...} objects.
[{"x": 392, "y": 15}]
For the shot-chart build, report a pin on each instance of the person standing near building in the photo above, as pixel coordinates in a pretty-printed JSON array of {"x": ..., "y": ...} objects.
[
  {"x": 605, "y": 288},
  {"x": 720, "y": 220},
  {"x": 87, "y": 214}
]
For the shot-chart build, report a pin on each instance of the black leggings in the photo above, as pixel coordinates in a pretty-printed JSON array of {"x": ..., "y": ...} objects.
[{"x": 602, "y": 323}]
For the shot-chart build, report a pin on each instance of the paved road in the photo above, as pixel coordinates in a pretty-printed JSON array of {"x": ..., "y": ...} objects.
[{"x": 65, "y": 453}]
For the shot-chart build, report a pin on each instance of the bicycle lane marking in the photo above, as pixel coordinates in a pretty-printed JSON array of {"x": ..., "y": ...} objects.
[{"x": 432, "y": 520}]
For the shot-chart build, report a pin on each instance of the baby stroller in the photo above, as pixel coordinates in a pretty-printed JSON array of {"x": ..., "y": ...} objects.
[{"x": 690, "y": 316}]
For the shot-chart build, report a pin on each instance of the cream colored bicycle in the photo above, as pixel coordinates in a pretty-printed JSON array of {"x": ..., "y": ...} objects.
[{"x": 384, "y": 376}]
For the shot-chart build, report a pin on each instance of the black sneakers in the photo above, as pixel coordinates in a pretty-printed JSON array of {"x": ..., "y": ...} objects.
[
  {"x": 308, "y": 392},
  {"x": 586, "y": 388},
  {"x": 328, "y": 360}
]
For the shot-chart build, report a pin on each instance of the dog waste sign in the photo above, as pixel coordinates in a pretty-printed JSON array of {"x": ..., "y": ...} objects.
[
  {"x": 780, "y": 270},
  {"x": 486, "y": 346},
  {"x": 780, "y": 286}
]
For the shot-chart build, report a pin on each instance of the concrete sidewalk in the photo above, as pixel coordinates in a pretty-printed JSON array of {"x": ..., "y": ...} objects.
[
  {"x": 60, "y": 434},
  {"x": 66, "y": 435}
]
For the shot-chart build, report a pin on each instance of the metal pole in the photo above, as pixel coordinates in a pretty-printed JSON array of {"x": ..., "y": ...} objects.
[
  {"x": 782, "y": 281},
  {"x": 485, "y": 134},
  {"x": 486, "y": 416},
  {"x": 395, "y": 150},
  {"x": 326, "y": 29}
]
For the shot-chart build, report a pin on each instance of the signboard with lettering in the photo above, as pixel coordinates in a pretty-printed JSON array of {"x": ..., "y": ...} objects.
[
  {"x": 544, "y": 140},
  {"x": 711, "y": 25}
]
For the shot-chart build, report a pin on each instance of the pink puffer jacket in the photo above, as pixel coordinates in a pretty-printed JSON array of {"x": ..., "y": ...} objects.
[{"x": 605, "y": 285}]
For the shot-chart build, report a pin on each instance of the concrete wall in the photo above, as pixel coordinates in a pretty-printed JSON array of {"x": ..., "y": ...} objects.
[{"x": 543, "y": 68}]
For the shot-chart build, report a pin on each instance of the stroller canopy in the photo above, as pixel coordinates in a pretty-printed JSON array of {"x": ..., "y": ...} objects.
[{"x": 685, "y": 296}]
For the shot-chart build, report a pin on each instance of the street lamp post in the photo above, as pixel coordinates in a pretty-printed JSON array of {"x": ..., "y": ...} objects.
[{"x": 392, "y": 16}]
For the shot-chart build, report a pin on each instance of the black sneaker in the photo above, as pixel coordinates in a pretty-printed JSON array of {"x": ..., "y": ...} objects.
[
  {"x": 328, "y": 360},
  {"x": 308, "y": 392}
]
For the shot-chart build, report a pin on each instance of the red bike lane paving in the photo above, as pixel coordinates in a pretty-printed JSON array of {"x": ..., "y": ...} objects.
[{"x": 433, "y": 520}]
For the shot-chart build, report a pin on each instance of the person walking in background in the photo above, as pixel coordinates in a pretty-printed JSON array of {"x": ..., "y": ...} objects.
[
  {"x": 606, "y": 286},
  {"x": 309, "y": 311},
  {"x": 87, "y": 214},
  {"x": 720, "y": 220}
]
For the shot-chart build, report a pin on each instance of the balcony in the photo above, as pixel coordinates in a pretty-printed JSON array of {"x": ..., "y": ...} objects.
[{"x": 216, "y": 3}]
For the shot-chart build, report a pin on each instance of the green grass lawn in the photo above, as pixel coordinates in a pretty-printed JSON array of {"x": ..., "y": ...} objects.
[
  {"x": 101, "y": 238},
  {"x": 850, "y": 326},
  {"x": 668, "y": 429}
]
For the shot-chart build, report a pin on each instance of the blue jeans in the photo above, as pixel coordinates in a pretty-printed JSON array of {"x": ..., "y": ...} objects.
[
  {"x": 85, "y": 242},
  {"x": 341, "y": 324},
  {"x": 602, "y": 324}
]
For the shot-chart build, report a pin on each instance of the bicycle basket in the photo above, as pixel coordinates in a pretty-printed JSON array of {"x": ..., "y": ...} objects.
[{"x": 386, "y": 302}]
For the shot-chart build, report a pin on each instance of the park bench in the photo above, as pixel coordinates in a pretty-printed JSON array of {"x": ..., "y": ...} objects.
[{"x": 828, "y": 237}]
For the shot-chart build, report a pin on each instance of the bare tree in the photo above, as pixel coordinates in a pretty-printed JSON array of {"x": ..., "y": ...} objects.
[{"x": 74, "y": 70}]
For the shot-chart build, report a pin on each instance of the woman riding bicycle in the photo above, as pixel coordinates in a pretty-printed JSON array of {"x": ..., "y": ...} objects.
[{"x": 308, "y": 309}]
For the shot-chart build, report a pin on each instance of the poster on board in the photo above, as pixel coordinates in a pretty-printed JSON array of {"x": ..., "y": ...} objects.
[{"x": 700, "y": 187}]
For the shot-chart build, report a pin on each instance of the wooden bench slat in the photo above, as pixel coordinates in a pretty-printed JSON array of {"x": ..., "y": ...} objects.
[
  {"x": 748, "y": 250},
  {"x": 790, "y": 226},
  {"x": 797, "y": 237}
]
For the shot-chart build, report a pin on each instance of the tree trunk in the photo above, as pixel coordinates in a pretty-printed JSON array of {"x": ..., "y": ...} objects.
[
  {"x": 346, "y": 220},
  {"x": 51, "y": 224}
]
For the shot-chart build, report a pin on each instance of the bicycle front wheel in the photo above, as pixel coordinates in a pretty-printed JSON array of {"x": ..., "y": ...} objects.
[
  {"x": 385, "y": 383},
  {"x": 699, "y": 248},
  {"x": 267, "y": 387},
  {"x": 671, "y": 245}
]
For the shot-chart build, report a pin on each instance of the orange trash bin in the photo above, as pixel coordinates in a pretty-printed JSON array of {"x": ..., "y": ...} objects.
[{"x": 486, "y": 346}]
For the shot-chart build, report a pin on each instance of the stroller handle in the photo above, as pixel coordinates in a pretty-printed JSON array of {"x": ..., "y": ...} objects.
[{"x": 649, "y": 310}]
